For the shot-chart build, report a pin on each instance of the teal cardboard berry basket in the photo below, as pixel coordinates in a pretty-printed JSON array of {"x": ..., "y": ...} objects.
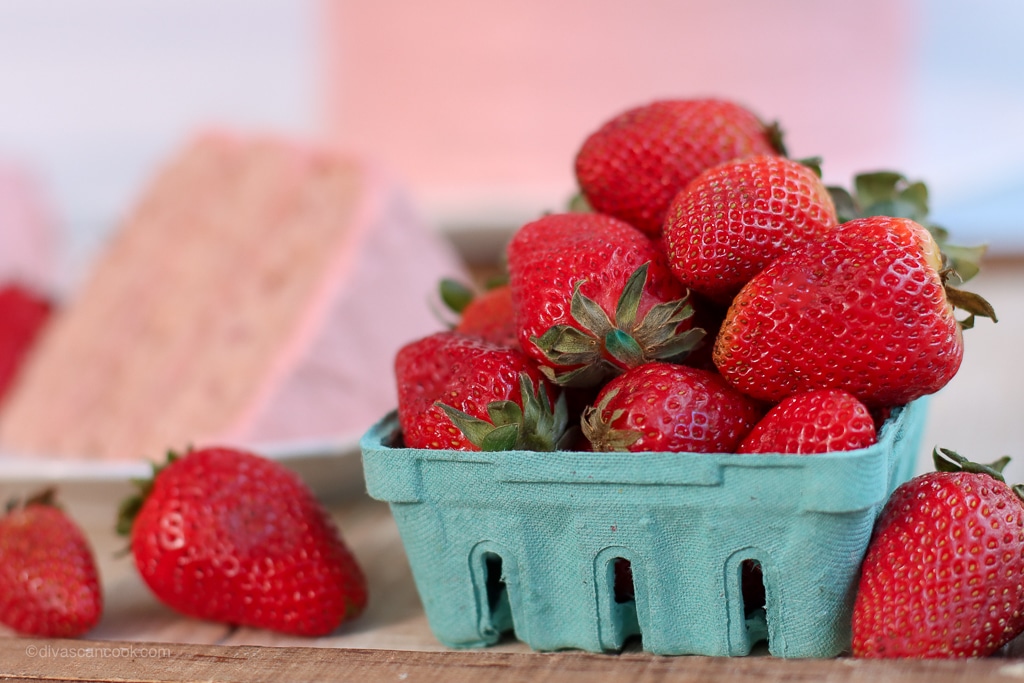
[{"x": 526, "y": 542}]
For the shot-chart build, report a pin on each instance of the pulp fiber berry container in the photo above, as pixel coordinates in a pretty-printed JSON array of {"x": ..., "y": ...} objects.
[{"x": 528, "y": 542}]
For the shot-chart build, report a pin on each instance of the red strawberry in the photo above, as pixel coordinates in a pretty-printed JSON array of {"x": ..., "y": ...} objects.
[
  {"x": 49, "y": 585},
  {"x": 23, "y": 313},
  {"x": 487, "y": 315},
  {"x": 669, "y": 407},
  {"x": 736, "y": 218},
  {"x": 813, "y": 422},
  {"x": 465, "y": 393},
  {"x": 944, "y": 572},
  {"x": 634, "y": 164},
  {"x": 594, "y": 296},
  {"x": 865, "y": 310},
  {"x": 229, "y": 536}
]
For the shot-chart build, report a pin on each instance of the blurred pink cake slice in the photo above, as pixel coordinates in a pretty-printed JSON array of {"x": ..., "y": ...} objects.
[{"x": 257, "y": 294}]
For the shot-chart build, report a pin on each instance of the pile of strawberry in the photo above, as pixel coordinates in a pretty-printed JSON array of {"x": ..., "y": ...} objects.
[{"x": 705, "y": 293}]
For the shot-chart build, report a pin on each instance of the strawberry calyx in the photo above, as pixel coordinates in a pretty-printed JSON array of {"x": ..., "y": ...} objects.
[
  {"x": 599, "y": 431},
  {"x": 455, "y": 295},
  {"x": 950, "y": 461},
  {"x": 46, "y": 496},
  {"x": 890, "y": 193},
  {"x": 776, "y": 137},
  {"x": 539, "y": 425},
  {"x": 974, "y": 304},
  {"x": 600, "y": 348},
  {"x": 131, "y": 506}
]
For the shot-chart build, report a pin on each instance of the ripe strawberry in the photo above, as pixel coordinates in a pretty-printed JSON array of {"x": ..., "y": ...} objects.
[
  {"x": 813, "y": 422},
  {"x": 487, "y": 315},
  {"x": 465, "y": 393},
  {"x": 23, "y": 313},
  {"x": 229, "y": 536},
  {"x": 944, "y": 572},
  {"x": 634, "y": 164},
  {"x": 594, "y": 296},
  {"x": 736, "y": 218},
  {"x": 865, "y": 310},
  {"x": 49, "y": 585},
  {"x": 669, "y": 407}
]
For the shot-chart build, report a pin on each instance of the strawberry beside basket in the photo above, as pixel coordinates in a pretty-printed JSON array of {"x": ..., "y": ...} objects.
[{"x": 527, "y": 542}]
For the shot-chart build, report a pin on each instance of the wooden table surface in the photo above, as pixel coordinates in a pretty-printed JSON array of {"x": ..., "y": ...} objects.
[{"x": 139, "y": 639}]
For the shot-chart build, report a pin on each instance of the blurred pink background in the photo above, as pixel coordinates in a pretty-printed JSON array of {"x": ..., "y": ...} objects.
[
  {"x": 483, "y": 105},
  {"x": 480, "y": 107}
]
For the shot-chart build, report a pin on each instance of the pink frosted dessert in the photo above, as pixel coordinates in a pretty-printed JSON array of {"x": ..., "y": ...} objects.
[{"x": 257, "y": 294}]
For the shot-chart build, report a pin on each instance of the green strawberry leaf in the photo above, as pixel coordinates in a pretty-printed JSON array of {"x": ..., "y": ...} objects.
[
  {"x": 589, "y": 313},
  {"x": 813, "y": 163},
  {"x": 455, "y": 295},
  {"x": 964, "y": 261},
  {"x": 600, "y": 348},
  {"x": 973, "y": 304},
  {"x": 889, "y": 193},
  {"x": 504, "y": 438},
  {"x": 950, "y": 461},
  {"x": 624, "y": 348},
  {"x": 598, "y": 430},
  {"x": 578, "y": 204},
  {"x": 504, "y": 413},
  {"x": 568, "y": 345},
  {"x": 130, "y": 507},
  {"x": 475, "y": 429},
  {"x": 540, "y": 425},
  {"x": 629, "y": 301},
  {"x": 776, "y": 137}
]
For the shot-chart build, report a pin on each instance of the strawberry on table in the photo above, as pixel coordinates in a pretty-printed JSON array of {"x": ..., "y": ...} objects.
[
  {"x": 593, "y": 297},
  {"x": 635, "y": 163},
  {"x": 737, "y": 217},
  {"x": 944, "y": 573},
  {"x": 813, "y": 422},
  {"x": 670, "y": 408},
  {"x": 866, "y": 309},
  {"x": 227, "y": 535},
  {"x": 465, "y": 393},
  {"x": 49, "y": 585}
]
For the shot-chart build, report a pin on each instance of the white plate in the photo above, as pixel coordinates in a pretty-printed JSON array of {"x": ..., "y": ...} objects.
[{"x": 333, "y": 469}]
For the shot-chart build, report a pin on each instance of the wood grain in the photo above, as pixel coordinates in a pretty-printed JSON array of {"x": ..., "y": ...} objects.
[{"x": 76, "y": 660}]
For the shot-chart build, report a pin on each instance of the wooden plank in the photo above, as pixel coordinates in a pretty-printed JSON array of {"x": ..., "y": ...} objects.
[{"x": 62, "y": 660}]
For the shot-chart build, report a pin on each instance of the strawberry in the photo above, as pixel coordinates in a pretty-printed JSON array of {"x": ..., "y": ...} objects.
[
  {"x": 813, "y": 422},
  {"x": 737, "y": 217},
  {"x": 593, "y": 297},
  {"x": 465, "y": 393},
  {"x": 227, "y": 535},
  {"x": 23, "y": 314},
  {"x": 668, "y": 407},
  {"x": 943, "y": 572},
  {"x": 865, "y": 310},
  {"x": 49, "y": 585},
  {"x": 488, "y": 315},
  {"x": 635, "y": 164}
]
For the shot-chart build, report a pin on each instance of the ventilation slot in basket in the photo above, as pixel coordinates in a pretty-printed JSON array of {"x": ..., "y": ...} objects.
[
  {"x": 754, "y": 601},
  {"x": 499, "y": 613}
]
